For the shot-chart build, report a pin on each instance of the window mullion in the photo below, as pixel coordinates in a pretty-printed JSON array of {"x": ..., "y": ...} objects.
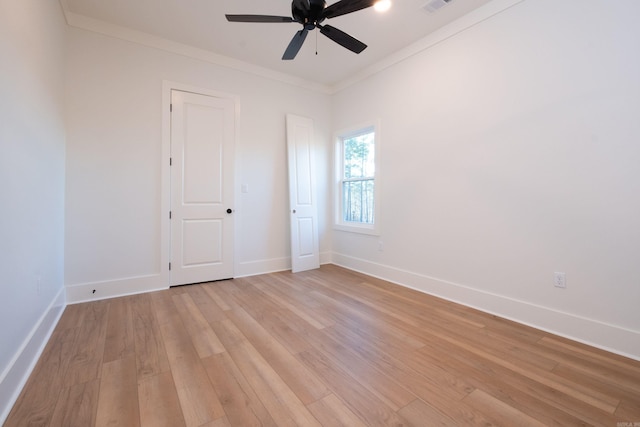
[{"x": 358, "y": 179}]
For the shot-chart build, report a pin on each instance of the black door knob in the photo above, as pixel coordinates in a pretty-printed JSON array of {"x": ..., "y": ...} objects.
[{"x": 229, "y": 211}]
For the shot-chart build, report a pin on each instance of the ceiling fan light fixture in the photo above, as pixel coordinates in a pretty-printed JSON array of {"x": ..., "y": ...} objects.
[{"x": 382, "y": 5}]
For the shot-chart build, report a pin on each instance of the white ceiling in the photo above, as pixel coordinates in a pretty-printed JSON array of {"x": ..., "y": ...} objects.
[{"x": 202, "y": 24}]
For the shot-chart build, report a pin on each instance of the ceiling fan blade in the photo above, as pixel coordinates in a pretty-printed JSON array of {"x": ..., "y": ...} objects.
[
  {"x": 346, "y": 6},
  {"x": 342, "y": 38},
  {"x": 258, "y": 18},
  {"x": 295, "y": 44}
]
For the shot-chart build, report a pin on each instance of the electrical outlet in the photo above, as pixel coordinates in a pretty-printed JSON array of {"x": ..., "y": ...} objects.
[
  {"x": 39, "y": 285},
  {"x": 559, "y": 280},
  {"x": 380, "y": 245}
]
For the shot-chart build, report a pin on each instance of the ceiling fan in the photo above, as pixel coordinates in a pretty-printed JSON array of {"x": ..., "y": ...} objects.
[{"x": 311, "y": 14}]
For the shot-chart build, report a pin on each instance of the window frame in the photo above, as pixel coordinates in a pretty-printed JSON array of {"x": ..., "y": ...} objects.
[{"x": 339, "y": 137}]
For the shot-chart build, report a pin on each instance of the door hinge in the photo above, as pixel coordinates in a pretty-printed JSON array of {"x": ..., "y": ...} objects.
[
  {"x": 169, "y": 266},
  {"x": 171, "y": 108},
  {"x": 170, "y": 161},
  {"x": 169, "y": 214}
]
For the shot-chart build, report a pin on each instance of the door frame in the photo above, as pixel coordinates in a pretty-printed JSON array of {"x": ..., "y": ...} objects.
[{"x": 165, "y": 170}]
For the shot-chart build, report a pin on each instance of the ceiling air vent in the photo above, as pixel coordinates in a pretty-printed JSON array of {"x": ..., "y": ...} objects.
[{"x": 434, "y": 5}]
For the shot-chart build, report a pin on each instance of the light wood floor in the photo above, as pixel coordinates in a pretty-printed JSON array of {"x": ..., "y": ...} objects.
[{"x": 322, "y": 348}]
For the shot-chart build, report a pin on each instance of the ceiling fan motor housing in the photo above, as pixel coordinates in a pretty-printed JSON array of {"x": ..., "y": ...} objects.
[{"x": 308, "y": 12}]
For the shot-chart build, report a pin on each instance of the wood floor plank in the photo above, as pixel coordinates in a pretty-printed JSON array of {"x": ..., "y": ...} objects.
[
  {"x": 151, "y": 356},
  {"x": 287, "y": 328},
  {"x": 39, "y": 398},
  {"x": 593, "y": 398},
  {"x": 120, "y": 337},
  {"x": 360, "y": 400},
  {"x": 158, "y": 401},
  {"x": 294, "y": 288},
  {"x": 326, "y": 347},
  {"x": 219, "y": 297},
  {"x": 331, "y": 412},
  {"x": 72, "y": 317},
  {"x": 457, "y": 410},
  {"x": 387, "y": 389},
  {"x": 411, "y": 319},
  {"x": 281, "y": 402},
  {"x": 628, "y": 411},
  {"x": 460, "y": 318},
  {"x": 250, "y": 298},
  {"x": 207, "y": 306},
  {"x": 535, "y": 399},
  {"x": 220, "y": 422},
  {"x": 77, "y": 405},
  {"x": 241, "y": 404},
  {"x": 198, "y": 400},
  {"x": 305, "y": 384},
  {"x": 346, "y": 307},
  {"x": 499, "y": 412},
  {"x": 86, "y": 362},
  {"x": 202, "y": 336},
  {"x": 420, "y": 413},
  {"x": 595, "y": 379},
  {"x": 353, "y": 315},
  {"x": 422, "y": 377},
  {"x": 266, "y": 285},
  {"x": 628, "y": 380},
  {"x": 567, "y": 347},
  {"x": 118, "y": 399},
  {"x": 530, "y": 353},
  {"x": 511, "y": 329}
]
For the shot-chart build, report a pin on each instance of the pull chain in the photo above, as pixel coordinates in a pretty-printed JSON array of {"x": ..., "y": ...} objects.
[{"x": 316, "y": 43}]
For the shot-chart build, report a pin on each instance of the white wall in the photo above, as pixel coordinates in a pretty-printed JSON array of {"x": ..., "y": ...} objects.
[
  {"x": 32, "y": 144},
  {"x": 510, "y": 151},
  {"x": 114, "y": 162}
]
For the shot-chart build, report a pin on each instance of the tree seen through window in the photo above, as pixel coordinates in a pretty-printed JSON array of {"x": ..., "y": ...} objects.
[{"x": 358, "y": 178}]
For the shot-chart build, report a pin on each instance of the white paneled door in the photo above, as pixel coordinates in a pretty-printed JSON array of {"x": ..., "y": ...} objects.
[
  {"x": 305, "y": 253},
  {"x": 202, "y": 219}
]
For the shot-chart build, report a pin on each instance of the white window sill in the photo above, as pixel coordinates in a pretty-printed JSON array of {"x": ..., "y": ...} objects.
[{"x": 361, "y": 229}]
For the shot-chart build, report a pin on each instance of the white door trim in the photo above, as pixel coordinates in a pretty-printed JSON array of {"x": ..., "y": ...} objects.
[{"x": 165, "y": 170}]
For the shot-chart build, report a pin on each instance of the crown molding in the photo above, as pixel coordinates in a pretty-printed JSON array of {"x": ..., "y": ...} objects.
[
  {"x": 456, "y": 27},
  {"x": 473, "y": 18},
  {"x": 101, "y": 27}
]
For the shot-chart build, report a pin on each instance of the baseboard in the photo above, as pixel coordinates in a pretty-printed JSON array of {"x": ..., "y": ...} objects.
[
  {"x": 254, "y": 268},
  {"x": 93, "y": 291},
  {"x": 326, "y": 258},
  {"x": 265, "y": 266},
  {"x": 115, "y": 288},
  {"x": 17, "y": 373},
  {"x": 605, "y": 336}
]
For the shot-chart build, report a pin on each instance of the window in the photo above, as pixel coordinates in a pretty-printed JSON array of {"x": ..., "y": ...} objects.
[{"x": 356, "y": 173}]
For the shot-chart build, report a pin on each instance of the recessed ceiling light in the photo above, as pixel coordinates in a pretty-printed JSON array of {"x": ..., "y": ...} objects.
[{"x": 382, "y": 5}]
